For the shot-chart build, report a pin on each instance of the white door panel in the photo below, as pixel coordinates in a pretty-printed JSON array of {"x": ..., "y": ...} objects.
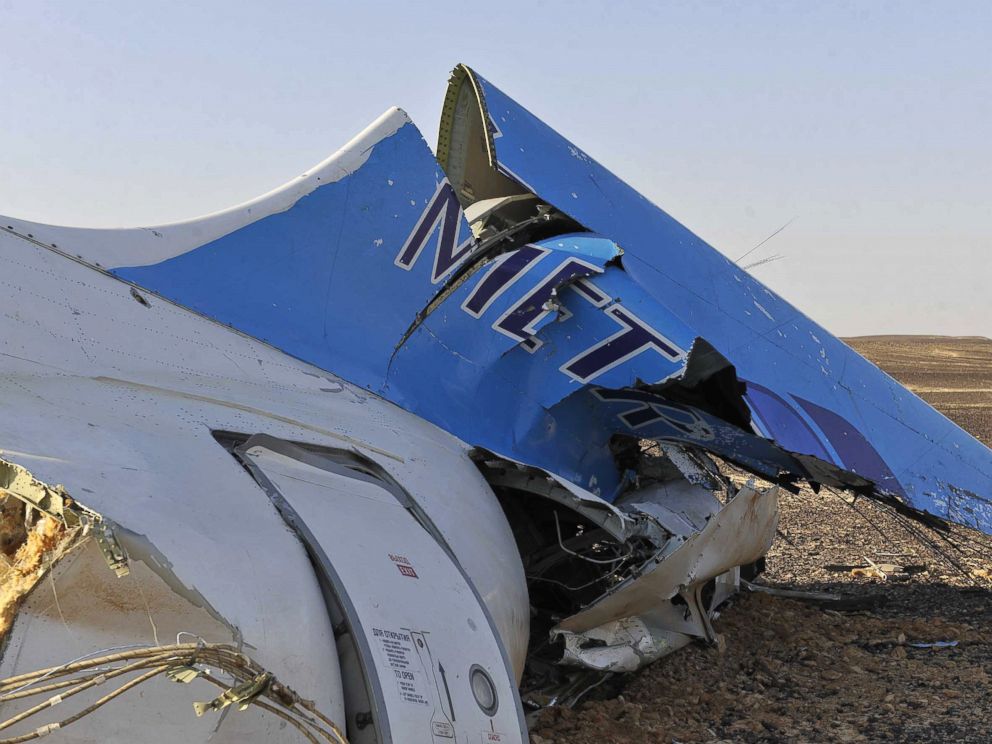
[{"x": 435, "y": 669}]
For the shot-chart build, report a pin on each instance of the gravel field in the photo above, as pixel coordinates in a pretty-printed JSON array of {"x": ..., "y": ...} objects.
[{"x": 836, "y": 672}]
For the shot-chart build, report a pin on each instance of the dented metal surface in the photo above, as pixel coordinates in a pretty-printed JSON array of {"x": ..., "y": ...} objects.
[
  {"x": 623, "y": 645},
  {"x": 482, "y": 390},
  {"x": 737, "y": 535}
]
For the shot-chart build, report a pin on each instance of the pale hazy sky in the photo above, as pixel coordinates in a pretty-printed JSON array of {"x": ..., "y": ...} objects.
[{"x": 869, "y": 124}]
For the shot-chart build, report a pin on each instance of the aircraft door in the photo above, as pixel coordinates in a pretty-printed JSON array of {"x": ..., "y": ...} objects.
[{"x": 432, "y": 667}]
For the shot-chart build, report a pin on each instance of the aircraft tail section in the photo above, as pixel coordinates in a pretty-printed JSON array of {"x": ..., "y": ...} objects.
[
  {"x": 521, "y": 296},
  {"x": 806, "y": 389}
]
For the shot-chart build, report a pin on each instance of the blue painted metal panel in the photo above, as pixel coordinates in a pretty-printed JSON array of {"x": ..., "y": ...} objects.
[
  {"x": 508, "y": 392},
  {"x": 532, "y": 354},
  {"x": 325, "y": 280},
  {"x": 867, "y": 421}
]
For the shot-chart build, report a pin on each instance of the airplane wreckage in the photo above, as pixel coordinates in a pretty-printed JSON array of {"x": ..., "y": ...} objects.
[{"x": 407, "y": 448}]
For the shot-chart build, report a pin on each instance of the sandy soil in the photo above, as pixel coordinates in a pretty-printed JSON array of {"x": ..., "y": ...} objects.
[{"x": 796, "y": 671}]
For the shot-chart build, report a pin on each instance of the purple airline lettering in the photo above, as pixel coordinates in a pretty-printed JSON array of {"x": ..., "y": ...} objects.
[
  {"x": 635, "y": 337},
  {"x": 507, "y": 269},
  {"x": 520, "y": 321},
  {"x": 443, "y": 214},
  {"x": 647, "y": 409},
  {"x": 590, "y": 292}
]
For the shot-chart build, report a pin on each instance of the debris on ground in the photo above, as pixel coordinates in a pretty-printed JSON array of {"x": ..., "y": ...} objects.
[{"x": 909, "y": 663}]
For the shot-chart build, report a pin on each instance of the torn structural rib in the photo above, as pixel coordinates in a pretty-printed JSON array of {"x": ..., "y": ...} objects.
[{"x": 41, "y": 523}]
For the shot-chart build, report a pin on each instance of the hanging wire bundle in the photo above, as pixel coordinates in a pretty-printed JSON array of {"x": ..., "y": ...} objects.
[{"x": 180, "y": 662}]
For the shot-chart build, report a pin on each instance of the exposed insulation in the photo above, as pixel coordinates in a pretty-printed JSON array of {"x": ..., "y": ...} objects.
[
  {"x": 45, "y": 540},
  {"x": 13, "y": 531}
]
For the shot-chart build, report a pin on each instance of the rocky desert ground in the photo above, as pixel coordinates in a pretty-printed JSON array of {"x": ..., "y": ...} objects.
[{"x": 905, "y": 657}]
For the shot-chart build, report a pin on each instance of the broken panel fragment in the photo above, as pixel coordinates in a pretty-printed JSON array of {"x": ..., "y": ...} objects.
[{"x": 89, "y": 610}]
